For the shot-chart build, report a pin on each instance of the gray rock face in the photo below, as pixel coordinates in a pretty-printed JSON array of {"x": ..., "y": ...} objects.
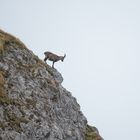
[{"x": 33, "y": 103}]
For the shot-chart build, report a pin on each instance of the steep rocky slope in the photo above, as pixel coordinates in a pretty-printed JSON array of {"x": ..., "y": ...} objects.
[{"x": 33, "y": 103}]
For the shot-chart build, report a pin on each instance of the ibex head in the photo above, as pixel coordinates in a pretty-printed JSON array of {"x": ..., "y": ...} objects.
[{"x": 62, "y": 57}]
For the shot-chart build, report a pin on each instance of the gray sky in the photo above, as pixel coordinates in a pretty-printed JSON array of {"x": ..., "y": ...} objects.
[{"x": 101, "y": 40}]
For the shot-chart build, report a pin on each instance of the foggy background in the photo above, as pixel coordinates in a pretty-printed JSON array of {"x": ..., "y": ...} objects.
[{"x": 101, "y": 40}]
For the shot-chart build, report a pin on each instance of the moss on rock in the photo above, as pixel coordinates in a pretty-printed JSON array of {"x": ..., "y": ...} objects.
[
  {"x": 2, "y": 82},
  {"x": 30, "y": 103},
  {"x": 92, "y": 133},
  {"x": 14, "y": 121}
]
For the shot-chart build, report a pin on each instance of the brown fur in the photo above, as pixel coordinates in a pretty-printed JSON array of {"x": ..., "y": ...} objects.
[{"x": 53, "y": 57}]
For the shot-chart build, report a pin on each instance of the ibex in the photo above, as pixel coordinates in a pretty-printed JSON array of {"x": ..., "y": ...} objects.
[{"x": 53, "y": 57}]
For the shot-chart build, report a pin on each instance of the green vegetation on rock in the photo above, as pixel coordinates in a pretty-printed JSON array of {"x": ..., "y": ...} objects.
[{"x": 13, "y": 120}]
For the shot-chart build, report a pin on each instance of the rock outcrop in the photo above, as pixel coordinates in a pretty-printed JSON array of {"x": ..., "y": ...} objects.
[{"x": 33, "y": 103}]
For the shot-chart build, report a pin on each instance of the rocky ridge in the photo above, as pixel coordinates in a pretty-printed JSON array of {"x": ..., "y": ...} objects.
[{"x": 33, "y": 103}]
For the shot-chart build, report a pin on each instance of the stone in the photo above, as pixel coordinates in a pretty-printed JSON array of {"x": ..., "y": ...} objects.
[{"x": 35, "y": 106}]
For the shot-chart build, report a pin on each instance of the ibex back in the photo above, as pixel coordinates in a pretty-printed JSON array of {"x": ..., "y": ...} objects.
[{"x": 53, "y": 57}]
